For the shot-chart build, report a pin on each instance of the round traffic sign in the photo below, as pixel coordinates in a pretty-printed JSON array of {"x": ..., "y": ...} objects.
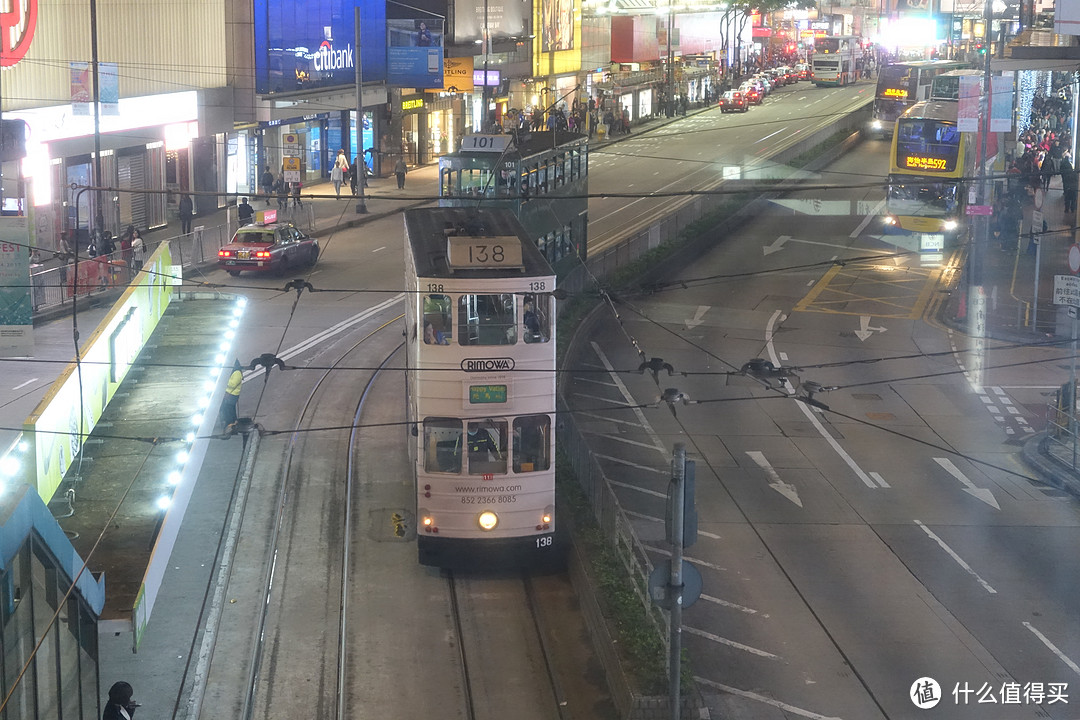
[
  {"x": 1074, "y": 258},
  {"x": 1039, "y": 197}
]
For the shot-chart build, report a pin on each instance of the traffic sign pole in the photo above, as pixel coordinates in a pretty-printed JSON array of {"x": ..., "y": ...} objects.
[{"x": 678, "y": 488}]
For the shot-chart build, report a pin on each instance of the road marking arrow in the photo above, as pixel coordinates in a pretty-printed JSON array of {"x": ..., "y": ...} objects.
[
  {"x": 699, "y": 317},
  {"x": 983, "y": 494},
  {"x": 865, "y": 330},
  {"x": 786, "y": 489},
  {"x": 777, "y": 246}
]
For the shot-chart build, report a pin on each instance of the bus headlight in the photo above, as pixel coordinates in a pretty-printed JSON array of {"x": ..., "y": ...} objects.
[
  {"x": 487, "y": 520},
  {"x": 888, "y": 220},
  {"x": 950, "y": 224}
]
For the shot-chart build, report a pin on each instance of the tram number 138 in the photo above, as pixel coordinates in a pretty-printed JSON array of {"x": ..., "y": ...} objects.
[{"x": 544, "y": 541}]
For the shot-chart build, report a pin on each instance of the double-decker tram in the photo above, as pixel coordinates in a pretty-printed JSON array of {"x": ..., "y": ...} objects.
[
  {"x": 933, "y": 171},
  {"x": 541, "y": 177},
  {"x": 901, "y": 85},
  {"x": 480, "y": 329}
]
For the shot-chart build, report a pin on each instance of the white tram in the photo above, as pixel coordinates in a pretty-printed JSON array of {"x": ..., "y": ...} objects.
[{"x": 480, "y": 330}]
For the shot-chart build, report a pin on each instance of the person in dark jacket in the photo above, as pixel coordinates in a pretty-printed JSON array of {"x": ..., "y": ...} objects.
[
  {"x": 266, "y": 182},
  {"x": 187, "y": 211},
  {"x": 120, "y": 706},
  {"x": 245, "y": 213},
  {"x": 1068, "y": 183}
]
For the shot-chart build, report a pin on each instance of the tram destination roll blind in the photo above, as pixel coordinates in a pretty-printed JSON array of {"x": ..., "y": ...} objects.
[{"x": 472, "y": 253}]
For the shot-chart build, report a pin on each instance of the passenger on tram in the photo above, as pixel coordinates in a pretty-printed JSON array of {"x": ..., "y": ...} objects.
[{"x": 433, "y": 336}]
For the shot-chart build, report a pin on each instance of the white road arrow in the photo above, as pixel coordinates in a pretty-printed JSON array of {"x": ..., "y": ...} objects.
[
  {"x": 699, "y": 317},
  {"x": 969, "y": 487},
  {"x": 786, "y": 489},
  {"x": 777, "y": 246},
  {"x": 865, "y": 330}
]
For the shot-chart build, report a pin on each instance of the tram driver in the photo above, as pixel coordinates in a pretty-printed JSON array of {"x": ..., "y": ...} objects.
[{"x": 484, "y": 452}]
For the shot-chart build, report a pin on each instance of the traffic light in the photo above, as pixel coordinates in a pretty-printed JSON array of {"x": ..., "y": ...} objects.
[{"x": 980, "y": 48}]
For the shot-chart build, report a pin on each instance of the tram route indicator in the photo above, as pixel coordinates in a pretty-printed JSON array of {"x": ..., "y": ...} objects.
[
  {"x": 480, "y": 394},
  {"x": 467, "y": 252}
]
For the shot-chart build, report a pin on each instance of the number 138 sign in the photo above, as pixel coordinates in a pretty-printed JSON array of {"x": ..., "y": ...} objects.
[{"x": 480, "y": 252}]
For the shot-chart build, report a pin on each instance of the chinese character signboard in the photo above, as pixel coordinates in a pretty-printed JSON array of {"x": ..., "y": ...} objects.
[{"x": 1067, "y": 290}]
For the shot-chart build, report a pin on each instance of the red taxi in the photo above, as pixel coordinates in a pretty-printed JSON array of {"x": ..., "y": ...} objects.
[
  {"x": 733, "y": 100},
  {"x": 267, "y": 247}
]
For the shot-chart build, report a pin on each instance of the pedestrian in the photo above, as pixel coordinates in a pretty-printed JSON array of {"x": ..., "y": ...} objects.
[
  {"x": 245, "y": 212},
  {"x": 296, "y": 194},
  {"x": 120, "y": 706},
  {"x": 399, "y": 171},
  {"x": 358, "y": 167},
  {"x": 267, "y": 184},
  {"x": 107, "y": 245},
  {"x": 1068, "y": 183},
  {"x": 282, "y": 191},
  {"x": 138, "y": 250},
  {"x": 232, "y": 395},
  {"x": 341, "y": 169},
  {"x": 187, "y": 211},
  {"x": 125, "y": 245}
]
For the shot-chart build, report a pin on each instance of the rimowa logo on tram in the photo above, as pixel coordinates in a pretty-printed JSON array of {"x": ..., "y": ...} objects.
[{"x": 487, "y": 364}]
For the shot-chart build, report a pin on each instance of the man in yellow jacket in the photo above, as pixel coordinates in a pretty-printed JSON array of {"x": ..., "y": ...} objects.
[{"x": 232, "y": 395}]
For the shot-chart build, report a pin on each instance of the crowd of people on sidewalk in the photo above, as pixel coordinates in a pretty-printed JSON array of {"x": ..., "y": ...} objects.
[{"x": 1041, "y": 154}]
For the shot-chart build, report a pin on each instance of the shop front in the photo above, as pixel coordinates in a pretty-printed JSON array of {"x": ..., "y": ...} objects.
[{"x": 430, "y": 127}]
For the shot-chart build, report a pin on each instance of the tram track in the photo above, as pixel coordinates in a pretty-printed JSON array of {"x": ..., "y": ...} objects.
[
  {"x": 294, "y": 512},
  {"x": 506, "y": 665}
]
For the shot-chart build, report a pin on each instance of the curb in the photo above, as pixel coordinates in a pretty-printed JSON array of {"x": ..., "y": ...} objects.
[{"x": 1050, "y": 470}]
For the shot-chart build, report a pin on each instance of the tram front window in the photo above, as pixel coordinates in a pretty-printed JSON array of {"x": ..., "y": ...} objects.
[
  {"x": 442, "y": 445},
  {"x": 487, "y": 320},
  {"x": 486, "y": 441},
  {"x": 532, "y": 443},
  {"x": 536, "y": 318},
  {"x": 438, "y": 320}
]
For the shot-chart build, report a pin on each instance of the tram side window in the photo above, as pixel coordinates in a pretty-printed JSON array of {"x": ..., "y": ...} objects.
[
  {"x": 442, "y": 445},
  {"x": 536, "y": 314},
  {"x": 438, "y": 320},
  {"x": 486, "y": 441},
  {"x": 575, "y": 164},
  {"x": 532, "y": 443},
  {"x": 487, "y": 320}
]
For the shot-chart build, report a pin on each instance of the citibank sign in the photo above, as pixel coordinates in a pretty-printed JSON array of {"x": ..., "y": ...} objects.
[
  {"x": 17, "y": 30},
  {"x": 327, "y": 59}
]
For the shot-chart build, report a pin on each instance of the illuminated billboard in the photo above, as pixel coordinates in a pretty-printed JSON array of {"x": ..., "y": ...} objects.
[
  {"x": 557, "y": 25},
  {"x": 311, "y": 44},
  {"x": 505, "y": 18}
]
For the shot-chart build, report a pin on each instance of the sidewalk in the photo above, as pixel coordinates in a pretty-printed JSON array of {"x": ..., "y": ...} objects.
[{"x": 1013, "y": 315}]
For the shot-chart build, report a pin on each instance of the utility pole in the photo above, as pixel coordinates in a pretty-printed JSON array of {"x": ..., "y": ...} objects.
[
  {"x": 678, "y": 475},
  {"x": 484, "y": 87},
  {"x": 99, "y": 217},
  {"x": 361, "y": 164}
]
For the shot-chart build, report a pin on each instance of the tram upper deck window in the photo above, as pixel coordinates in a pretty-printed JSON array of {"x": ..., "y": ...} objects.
[
  {"x": 487, "y": 447},
  {"x": 442, "y": 445},
  {"x": 487, "y": 320},
  {"x": 536, "y": 318},
  {"x": 532, "y": 443},
  {"x": 438, "y": 319},
  {"x": 477, "y": 181}
]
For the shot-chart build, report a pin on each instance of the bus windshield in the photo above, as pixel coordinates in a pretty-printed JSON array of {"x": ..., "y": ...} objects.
[
  {"x": 929, "y": 199},
  {"x": 946, "y": 87},
  {"x": 894, "y": 82},
  {"x": 927, "y": 145},
  {"x": 827, "y": 45}
]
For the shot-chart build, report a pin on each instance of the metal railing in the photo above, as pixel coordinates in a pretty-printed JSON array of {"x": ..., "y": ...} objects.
[
  {"x": 56, "y": 286},
  {"x": 1062, "y": 432},
  {"x": 614, "y": 524}
]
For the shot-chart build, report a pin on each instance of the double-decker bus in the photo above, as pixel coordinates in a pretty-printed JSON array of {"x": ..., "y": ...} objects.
[
  {"x": 835, "y": 60},
  {"x": 901, "y": 85},
  {"x": 933, "y": 166},
  {"x": 542, "y": 177}
]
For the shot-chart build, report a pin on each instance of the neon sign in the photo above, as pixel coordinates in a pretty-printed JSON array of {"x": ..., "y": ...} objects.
[
  {"x": 17, "y": 30},
  {"x": 925, "y": 163},
  {"x": 895, "y": 92}
]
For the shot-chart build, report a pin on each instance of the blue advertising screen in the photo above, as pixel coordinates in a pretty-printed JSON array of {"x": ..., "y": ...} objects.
[
  {"x": 414, "y": 56},
  {"x": 310, "y": 44}
]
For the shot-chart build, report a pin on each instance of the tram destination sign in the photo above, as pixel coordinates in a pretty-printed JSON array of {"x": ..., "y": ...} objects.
[
  {"x": 479, "y": 394},
  {"x": 466, "y": 252}
]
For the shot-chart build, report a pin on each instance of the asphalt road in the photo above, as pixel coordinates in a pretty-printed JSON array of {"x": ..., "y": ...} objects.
[{"x": 846, "y": 552}]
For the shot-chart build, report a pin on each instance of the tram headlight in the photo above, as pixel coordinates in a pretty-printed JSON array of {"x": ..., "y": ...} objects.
[
  {"x": 487, "y": 520},
  {"x": 876, "y": 124},
  {"x": 950, "y": 224},
  {"x": 889, "y": 220}
]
